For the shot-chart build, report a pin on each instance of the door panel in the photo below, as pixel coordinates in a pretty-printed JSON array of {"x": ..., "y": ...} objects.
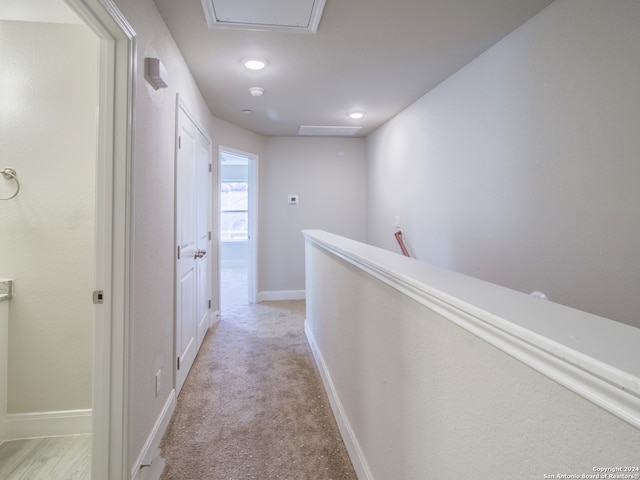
[
  {"x": 193, "y": 197},
  {"x": 186, "y": 263}
]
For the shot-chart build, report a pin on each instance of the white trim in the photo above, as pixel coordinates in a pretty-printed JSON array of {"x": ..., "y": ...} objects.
[
  {"x": 271, "y": 296},
  {"x": 358, "y": 459},
  {"x": 47, "y": 424},
  {"x": 113, "y": 329},
  {"x": 4, "y": 366},
  {"x": 182, "y": 105},
  {"x": 254, "y": 186},
  {"x": 503, "y": 318},
  {"x": 149, "y": 452}
]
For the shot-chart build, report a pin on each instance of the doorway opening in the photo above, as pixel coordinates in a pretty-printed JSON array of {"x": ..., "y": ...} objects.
[
  {"x": 74, "y": 61},
  {"x": 48, "y": 241},
  {"x": 237, "y": 215}
]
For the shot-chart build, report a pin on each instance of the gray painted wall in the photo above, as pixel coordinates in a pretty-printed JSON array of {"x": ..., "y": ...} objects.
[
  {"x": 328, "y": 175},
  {"x": 522, "y": 168}
]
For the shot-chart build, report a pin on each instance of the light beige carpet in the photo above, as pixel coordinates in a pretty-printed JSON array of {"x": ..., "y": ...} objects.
[{"x": 253, "y": 405}]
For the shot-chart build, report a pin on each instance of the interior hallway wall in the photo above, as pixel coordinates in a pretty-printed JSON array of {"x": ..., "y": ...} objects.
[
  {"x": 153, "y": 216},
  {"x": 521, "y": 169},
  {"x": 328, "y": 175},
  {"x": 48, "y": 103}
]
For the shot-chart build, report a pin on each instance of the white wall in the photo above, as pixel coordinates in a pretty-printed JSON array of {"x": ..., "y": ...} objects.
[
  {"x": 328, "y": 175},
  {"x": 48, "y": 105},
  {"x": 522, "y": 168}
]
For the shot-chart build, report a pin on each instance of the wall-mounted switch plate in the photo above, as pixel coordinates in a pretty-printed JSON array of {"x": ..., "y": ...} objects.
[
  {"x": 397, "y": 221},
  {"x": 293, "y": 199}
]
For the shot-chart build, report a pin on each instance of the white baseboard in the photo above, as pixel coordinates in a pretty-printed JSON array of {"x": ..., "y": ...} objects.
[
  {"x": 149, "y": 455},
  {"x": 153, "y": 471},
  {"x": 348, "y": 435},
  {"x": 281, "y": 295},
  {"x": 47, "y": 424}
]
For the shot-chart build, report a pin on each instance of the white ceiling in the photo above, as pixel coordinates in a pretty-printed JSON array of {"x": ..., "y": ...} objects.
[
  {"x": 374, "y": 56},
  {"x": 377, "y": 56}
]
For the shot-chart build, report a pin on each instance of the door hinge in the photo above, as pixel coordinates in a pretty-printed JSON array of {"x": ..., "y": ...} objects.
[
  {"x": 209, "y": 236},
  {"x": 178, "y": 363},
  {"x": 179, "y": 142},
  {"x": 98, "y": 297},
  {"x": 209, "y": 304},
  {"x": 178, "y": 252},
  {"x": 210, "y": 167}
]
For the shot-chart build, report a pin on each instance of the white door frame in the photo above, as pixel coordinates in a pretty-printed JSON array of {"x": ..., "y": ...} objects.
[
  {"x": 117, "y": 72},
  {"x": 252, "y": 264}
]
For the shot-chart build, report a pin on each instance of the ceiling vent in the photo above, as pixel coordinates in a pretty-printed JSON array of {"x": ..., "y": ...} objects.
[
  {"x": 276, "y": 15},
  {"x": 328, "y": 131}
]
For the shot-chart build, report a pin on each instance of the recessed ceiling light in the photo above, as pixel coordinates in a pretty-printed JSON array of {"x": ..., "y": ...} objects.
[
  {"x": 254, "y": 64},
  {"x": 247, "y": 111},
  {"x": 356, "y": 115},
  {"x": 256, "y": 91}
]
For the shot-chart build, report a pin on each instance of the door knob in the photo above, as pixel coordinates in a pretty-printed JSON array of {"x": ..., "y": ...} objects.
[{"x": 200, "y": 253}]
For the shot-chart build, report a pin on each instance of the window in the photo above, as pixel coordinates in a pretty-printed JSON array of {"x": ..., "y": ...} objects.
[{"x": 234, "y": 207}]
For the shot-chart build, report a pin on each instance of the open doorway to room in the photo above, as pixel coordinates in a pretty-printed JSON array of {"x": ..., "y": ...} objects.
[
  {"x": 67, "y": 74},
  {"x": 237, "y": 228},
  {"x": 48, "y": 241}
]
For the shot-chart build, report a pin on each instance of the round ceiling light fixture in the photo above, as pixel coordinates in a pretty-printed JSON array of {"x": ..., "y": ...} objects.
[
  {"x": 256, "y": 91},
  {"x": 356, "y": 115},
  {"x": 254, "y": 64}
]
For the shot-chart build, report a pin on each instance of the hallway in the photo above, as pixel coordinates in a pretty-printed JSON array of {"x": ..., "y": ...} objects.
[{"x": 253, "y": 405}]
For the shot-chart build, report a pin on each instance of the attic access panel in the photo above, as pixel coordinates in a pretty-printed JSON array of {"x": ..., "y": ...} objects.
[
  {"x": 279, "y": 15},
  {"x": 327, "y": 131}
]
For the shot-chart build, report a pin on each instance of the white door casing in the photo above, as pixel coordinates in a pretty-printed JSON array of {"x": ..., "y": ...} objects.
[
  {"x": 203, "y": 237},
  {"x": 193, "y": 239},
  {"x": 111, "y": 355}
]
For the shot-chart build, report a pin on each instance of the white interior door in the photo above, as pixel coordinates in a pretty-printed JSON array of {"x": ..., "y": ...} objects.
[{"x": 193, "y": 238}]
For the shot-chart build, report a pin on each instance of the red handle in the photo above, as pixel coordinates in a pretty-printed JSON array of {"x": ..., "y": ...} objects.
[{"x": 402, "y": 247}]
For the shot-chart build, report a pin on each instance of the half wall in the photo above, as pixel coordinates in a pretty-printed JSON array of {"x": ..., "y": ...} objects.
[{"x": 433, "y": 374}]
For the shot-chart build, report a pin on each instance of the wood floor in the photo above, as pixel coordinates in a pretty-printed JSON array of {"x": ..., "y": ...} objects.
[{"x": 55, "y": 458}]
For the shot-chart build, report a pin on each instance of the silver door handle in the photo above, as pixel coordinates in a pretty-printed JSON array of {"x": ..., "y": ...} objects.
[{"x": 200, "y": 253}]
